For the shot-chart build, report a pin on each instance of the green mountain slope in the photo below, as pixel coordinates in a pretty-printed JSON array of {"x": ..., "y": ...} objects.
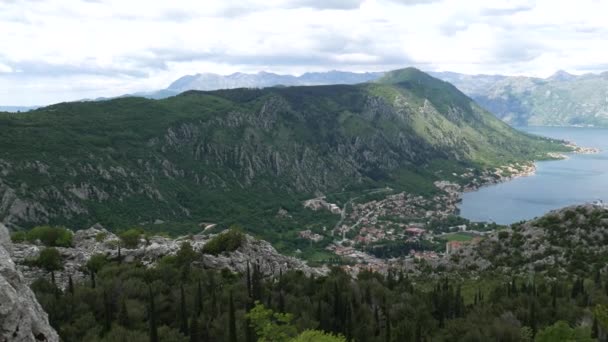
[
  {"x": 560, "y": 100},
  {"x": 238, "y": 156}
]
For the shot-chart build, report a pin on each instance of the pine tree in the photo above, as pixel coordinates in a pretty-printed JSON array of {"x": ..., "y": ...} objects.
[
  {"x": 183, "y": 315},
  {"x": 152, "y": 317},
  {"x": 231, "y": 321}
]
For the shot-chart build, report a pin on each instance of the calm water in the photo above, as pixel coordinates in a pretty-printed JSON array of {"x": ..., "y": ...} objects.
[{"x": 580, "y": 179}]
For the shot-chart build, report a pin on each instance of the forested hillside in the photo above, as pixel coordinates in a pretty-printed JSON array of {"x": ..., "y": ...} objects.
[{"x": 242, "y": 155}]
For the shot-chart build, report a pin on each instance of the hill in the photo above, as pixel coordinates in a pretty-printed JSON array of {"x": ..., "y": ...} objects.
[
  {"x": 562, "y": 99},
  {"x": 246, "y": 156},
  {"x": 564, "y": 242}
]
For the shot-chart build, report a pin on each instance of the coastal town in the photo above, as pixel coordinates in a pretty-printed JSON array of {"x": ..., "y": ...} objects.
[{"x": 419, "y": 230}]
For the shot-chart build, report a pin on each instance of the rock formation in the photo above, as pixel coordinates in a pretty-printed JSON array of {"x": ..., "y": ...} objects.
[
  {"x": 98, "y": 240},
  {"x": 21, "y": 316}
]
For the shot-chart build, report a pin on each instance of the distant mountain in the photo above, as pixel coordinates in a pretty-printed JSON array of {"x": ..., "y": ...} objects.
[
  {"x": 208, "y": 81},
  {"x": 242, "y": 155},
  {"x": 562, "y": 99},
  {"x": 15, "y": 109}
]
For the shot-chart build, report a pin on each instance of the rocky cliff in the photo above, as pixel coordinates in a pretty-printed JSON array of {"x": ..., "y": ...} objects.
[{"x": 21, "y": 316}]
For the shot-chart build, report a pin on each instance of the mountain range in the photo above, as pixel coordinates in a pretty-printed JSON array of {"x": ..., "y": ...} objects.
[
  {"x": 562, "y": 99},
  {"x": 243, "y": 155}
]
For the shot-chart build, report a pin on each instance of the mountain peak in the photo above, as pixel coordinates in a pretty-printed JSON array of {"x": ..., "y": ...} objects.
[
  {"x": 404, "y": 75},
  {"x": 561, "y": 75}
]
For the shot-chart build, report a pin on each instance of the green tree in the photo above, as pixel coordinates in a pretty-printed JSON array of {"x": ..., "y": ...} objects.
[
  {"x": 561, "y": 331},
  {"x": 130, "y": 238},
  {"x": 152, "y": 317},
  {"x": 49, "y": 259},
  {"x": 317, "y": 336},
  {"x": 231, "y": 320},
  {"x": 271, "y": 326},
  {"x": 183, "y": 314}
]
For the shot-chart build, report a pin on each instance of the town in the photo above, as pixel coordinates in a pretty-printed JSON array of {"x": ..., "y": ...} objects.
[{"x": 404, "y": 230}]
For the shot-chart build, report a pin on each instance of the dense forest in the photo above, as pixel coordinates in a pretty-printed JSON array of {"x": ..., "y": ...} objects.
[{"x": 178, "y": 301}]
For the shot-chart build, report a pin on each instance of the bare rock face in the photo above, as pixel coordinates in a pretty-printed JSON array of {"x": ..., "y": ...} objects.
[
  {"x": 98, "y": 240},
  {"x": 21, "y": 316}
]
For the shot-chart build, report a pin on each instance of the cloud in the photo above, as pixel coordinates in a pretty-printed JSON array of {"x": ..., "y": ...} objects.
[
  {"x": 57, "y": 50},
  {"x": 326, "y": 4},
  {"x": 506, "y": 11}
]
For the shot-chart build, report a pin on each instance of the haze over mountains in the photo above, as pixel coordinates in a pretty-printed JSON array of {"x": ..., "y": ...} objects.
[{"x": 562, "y": 99}]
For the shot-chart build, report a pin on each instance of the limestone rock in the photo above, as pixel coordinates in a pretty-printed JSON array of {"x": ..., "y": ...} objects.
[{"x": 21, "y": 316}]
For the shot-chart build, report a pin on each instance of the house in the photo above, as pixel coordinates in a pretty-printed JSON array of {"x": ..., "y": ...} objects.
[
  {"x": 415, "y": 231},
  {"x": 453, "y": 246}
]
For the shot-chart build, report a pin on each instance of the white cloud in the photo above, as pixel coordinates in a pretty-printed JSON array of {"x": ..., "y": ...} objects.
[{"x": 57, "y": 50}]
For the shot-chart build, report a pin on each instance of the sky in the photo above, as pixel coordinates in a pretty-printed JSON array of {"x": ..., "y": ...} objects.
[{"x": 61, "y": 50}]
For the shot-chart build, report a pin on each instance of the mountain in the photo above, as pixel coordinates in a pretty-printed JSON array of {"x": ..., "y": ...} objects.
[
  {"x": 562, "y": 99},
  {"x": 244, "y": 155},
  {"x": 15, "y": 109}
]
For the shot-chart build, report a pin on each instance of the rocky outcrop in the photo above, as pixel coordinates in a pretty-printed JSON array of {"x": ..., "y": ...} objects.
[
  {"x": 567, "y": 240},
  {"x": 98, "y": 240},
  {"x": 21, "y": 316}
]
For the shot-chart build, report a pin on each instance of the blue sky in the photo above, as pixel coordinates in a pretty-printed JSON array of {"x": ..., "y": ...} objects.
[{"x": 61, "y": 50}]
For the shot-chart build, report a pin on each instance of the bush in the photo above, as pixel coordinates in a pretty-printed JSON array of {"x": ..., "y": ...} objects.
[
  {"x": 224, "y": 242},
  {"x": 130, "y": 238},
  {"x": 50, "y": 236},
  {"x": 19, "y": 236},
  {"x": 49, "y": 259}
]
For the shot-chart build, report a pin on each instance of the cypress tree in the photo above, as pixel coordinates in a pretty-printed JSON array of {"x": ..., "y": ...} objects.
[
  {"x": 248, "y": 275},
  {"x": 107, "y": 312},
  {"x": 533, "y": 316},
  {"x": 123, "y": 314},
  {"x": 183, "y": 315},
  {"x": 281, "y": 301},
  {"x": 70, "y": 285},
  {"x": 199, "y": 299},
  {"x": 594, "y": 329},
  {"x": 231, "y": 321},
  {"x": 387, "y": 326},
  {"x": 152, "y": 317},
  {"x": 376, "y": 321},
  {"x": 92, "y": 279},
  {"x": 194, "y": 329}
]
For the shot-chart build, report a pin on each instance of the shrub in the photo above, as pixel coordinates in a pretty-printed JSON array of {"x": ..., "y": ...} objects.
[
  {"x": 96, "y": 262},
  {"x": 130, "y": 238},
  {"x": 51, "y": 236},
  {"x": 19, "y": 236},
  {"x": 224, "y": 242},
  {"x": 101, "y": 236},
  {"x": 49, "y": 259}
]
